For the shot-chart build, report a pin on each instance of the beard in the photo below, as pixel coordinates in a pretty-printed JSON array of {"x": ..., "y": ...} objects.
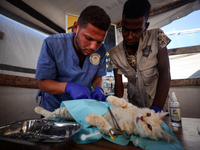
[{"x": 79, "y": 50}]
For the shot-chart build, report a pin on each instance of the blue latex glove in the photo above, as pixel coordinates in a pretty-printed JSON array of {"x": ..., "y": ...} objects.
[
  {"x": 77, "y": 91},
  {"x": 156, "y": 109},
  {"x": 98, "y": 94}
]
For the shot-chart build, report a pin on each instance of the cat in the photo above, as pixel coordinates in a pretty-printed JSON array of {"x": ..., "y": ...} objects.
[{"x": 138, "y": 121}]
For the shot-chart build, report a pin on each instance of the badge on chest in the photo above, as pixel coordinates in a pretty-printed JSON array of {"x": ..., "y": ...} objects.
[{"x": 95, "y": 59}]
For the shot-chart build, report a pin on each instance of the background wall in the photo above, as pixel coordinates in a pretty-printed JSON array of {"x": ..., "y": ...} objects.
[
  {"x": 19, "y": 48},
  {"x": 19, "y": 51},
  {"x": 188, "y": 97},
  {"x": 17, "y": 104}
]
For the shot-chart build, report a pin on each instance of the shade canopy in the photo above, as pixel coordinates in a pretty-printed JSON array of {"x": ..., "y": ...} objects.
[{"x": 49, "y": 16}]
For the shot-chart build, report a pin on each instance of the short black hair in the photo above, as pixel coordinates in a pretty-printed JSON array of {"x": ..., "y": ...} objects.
[
  {"x": 96, "y": 16},
  {"x": 136, "y": 9}
]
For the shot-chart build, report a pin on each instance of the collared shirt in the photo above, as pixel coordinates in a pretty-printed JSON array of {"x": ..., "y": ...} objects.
[
  {"x": 58, "y": 61},
  {"x": 163, "y": 41},
  {"x": 142, "y": 82}
]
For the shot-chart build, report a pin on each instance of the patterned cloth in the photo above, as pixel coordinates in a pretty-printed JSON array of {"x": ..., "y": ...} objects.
[{"x": 163, "y": 40}]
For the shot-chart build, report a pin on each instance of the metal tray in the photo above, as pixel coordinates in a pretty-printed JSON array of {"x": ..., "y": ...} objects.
[{"x": 39, "y": 131}]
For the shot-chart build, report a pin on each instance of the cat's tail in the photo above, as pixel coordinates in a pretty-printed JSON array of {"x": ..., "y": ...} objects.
[{"x": 41, "y": 111}]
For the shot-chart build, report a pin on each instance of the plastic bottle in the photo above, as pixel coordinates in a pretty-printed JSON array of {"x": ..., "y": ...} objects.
[{"x": 175, "y": 112}]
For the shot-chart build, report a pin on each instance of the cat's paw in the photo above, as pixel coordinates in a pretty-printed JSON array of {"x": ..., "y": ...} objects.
[
  {"x": 47, "y": 114},
  {"x": 38, "y": 110},
  {"x": 117, "y": 101},
  {"x": 92, "y": 118},
  {"x": 99, "y": 121}
]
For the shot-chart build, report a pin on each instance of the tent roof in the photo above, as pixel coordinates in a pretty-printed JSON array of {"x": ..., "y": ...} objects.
[{"x": 49, "y": 15}]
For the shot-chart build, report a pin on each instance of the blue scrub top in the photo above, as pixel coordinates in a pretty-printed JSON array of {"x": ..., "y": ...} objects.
[{"x": 58, "y": 61}]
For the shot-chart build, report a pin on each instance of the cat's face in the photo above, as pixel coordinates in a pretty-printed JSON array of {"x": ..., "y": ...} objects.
[{"x": 148, "y": 124}]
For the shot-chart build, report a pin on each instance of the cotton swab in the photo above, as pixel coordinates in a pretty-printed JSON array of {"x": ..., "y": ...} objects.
[{"x": 84, "y": 136}]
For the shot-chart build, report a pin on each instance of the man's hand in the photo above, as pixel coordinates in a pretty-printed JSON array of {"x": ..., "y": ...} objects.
[
  {"x": 156, "y": 109},
  {"x": 77, "y": 91},
  {"x": 98, "y": 94}
]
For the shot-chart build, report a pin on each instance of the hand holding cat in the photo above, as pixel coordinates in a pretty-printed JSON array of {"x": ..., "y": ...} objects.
[
  {"x": 98, "y": 94},
  {"x": 77, "y": 91}
]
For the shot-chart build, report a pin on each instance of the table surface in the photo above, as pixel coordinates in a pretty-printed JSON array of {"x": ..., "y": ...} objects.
[{"x": 187, "y": 135}]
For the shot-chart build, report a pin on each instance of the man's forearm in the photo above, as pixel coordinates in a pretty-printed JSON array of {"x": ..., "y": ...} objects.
[
  {"x": 97, "y": 81},
  {"x": 52, "y": 87},
  {"x": 162, "y": 91}
]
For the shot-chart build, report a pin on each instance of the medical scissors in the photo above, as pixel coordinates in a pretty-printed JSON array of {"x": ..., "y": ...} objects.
[{"x": 117, "y": 130}]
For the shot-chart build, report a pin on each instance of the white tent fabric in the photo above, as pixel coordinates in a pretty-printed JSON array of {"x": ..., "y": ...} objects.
[
  {"x": 163, "y": 19},
  {"x": 56, "y": 10},
  {"x": 19, "y": 48}
]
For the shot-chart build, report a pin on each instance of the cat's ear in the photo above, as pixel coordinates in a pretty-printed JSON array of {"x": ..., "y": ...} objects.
[
  {"x": 166, "y": 137},
  {"x": 162, "y": 114}
]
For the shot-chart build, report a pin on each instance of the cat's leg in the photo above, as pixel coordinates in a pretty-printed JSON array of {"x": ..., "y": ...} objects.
[
  {"x": 62, "y": 113},
  {"x": 41, "y": 111},
  {"x": 99, "y": 121},
  {"x": 113, "y": 100}
]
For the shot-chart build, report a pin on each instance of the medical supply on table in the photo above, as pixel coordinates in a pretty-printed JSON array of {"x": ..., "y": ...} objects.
[
  {"x": 84, "y": 136},
  {"x": 175, "y": 111},
  {"x": 113, "y": 132},
  {"x": 39, "y": 132}
]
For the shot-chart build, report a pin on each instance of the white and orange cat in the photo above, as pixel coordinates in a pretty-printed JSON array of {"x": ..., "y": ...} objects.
[{"x": 138, "y": 121}]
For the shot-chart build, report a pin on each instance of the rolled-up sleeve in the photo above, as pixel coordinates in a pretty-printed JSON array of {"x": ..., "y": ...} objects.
[{"x": 163, "y": 40}]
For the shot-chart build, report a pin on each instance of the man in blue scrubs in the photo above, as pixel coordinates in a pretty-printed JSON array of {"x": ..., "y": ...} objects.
[{"x": 71, "y": 65}]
